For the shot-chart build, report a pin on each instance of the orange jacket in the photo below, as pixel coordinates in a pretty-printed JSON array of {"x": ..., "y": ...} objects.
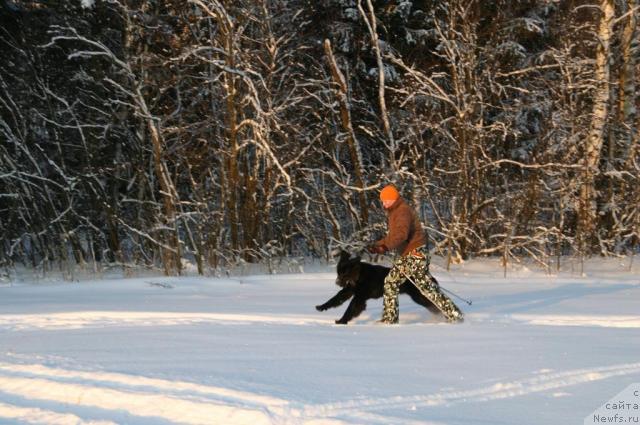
[{"x": 404, "y": 229}]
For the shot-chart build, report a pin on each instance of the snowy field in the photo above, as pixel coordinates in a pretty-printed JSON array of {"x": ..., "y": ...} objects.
[{"x": 534, "y": 349}]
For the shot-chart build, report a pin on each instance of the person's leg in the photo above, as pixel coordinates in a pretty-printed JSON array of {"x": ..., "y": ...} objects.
[
  {"x": 391, "y": 288},
  {"x": 419, "y": 298},
  {"x": 429, "y": 287},
  {"x": 417, "y": 270}
]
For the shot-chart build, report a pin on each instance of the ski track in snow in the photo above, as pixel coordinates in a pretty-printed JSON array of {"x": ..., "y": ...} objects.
[
  {"x": 110, "y": 395},
  {"x": 579, "y": 320},
  {"x": 34, "y": 415},
  {"x": 502, "y": 390},
  {"x": 102, "y": 319},
  {"x": 179, "y": 402}
]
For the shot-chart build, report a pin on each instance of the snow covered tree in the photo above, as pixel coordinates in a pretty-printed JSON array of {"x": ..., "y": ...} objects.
[{"x": 139, "y": 132}]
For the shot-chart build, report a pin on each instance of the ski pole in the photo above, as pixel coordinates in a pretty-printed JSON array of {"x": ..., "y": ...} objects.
[
  {"x": 444, "y": 289},
  {"x": 456, "y": 295}
]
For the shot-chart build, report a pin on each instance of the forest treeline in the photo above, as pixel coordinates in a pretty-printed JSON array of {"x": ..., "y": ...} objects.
[{"x": 141, "y": 132}]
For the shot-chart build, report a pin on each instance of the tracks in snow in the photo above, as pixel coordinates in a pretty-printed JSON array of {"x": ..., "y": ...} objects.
[
  {"x": 502, "y": 390},
  {"x": 72, "y": 395},
  {"x": 136, "y": 396},
  {"x": 102, "y": 319}
]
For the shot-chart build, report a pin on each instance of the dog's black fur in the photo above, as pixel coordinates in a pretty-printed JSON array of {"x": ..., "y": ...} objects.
[{"x": 364, "y": 281}]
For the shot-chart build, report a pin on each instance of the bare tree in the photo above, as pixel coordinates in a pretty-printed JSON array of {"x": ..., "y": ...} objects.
[{"x": 347, "y": 125}]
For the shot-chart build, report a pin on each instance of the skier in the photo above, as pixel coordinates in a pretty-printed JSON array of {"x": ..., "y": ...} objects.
[{"x": 405, "y": 235}]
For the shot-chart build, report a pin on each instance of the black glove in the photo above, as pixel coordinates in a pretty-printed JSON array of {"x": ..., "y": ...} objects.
[{"x": 377, "y": 249}]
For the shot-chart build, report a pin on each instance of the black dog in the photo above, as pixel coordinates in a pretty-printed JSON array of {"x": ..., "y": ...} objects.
[{"x": 364, "y": 281}]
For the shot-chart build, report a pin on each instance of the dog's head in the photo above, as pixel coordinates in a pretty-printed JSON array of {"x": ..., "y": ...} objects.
[{"x": 348, "y": 270}]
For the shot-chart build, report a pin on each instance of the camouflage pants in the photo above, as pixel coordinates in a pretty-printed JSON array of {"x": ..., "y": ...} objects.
[{"x": 415, "y": 267}]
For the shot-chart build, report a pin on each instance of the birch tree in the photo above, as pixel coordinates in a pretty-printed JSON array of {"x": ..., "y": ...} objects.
[{"x": 600, "y": 111}]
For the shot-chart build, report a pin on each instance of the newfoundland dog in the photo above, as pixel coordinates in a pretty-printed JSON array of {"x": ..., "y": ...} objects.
[{"x": 361, "y": 282}]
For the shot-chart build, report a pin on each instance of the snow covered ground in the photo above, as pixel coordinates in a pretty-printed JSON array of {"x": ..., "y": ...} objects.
[{"x": 534, "y": 349}]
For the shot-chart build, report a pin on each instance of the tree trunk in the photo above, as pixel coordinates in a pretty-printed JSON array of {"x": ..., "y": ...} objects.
[
  {"x": 627, "y": 83},
  {"x": 345, "y": 115},
  {"x": 600, "y": 112},
  {"x": 372, "y": 25}
]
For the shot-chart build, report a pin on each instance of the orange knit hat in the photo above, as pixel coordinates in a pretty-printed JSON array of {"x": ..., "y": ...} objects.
[{"x": 389, "y": 193}]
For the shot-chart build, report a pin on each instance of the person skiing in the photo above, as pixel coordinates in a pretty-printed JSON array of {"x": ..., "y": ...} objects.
[{"x": 406, "y": 236}]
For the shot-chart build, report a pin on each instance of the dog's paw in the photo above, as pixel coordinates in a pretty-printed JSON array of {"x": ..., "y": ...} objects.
[
  {"x": 320, "y": 308},
  {"x": 341, "y": 322}
]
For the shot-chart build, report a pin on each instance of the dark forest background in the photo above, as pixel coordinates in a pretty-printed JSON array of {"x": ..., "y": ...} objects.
[{"x": 140, "y": 132}]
